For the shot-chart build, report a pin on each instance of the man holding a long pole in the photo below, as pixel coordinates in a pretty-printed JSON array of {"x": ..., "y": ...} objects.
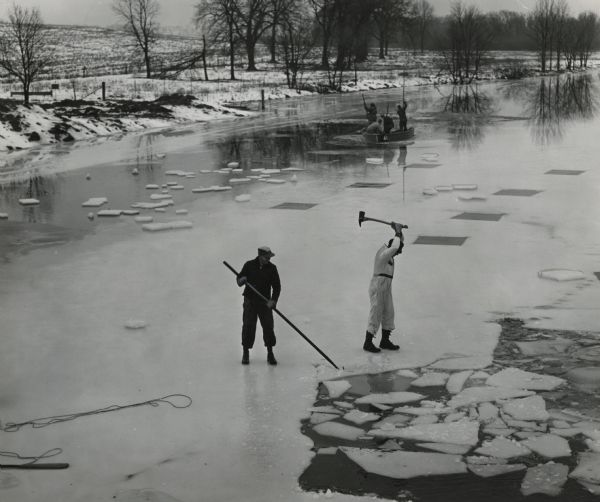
[{"x": 262, "y": 283}]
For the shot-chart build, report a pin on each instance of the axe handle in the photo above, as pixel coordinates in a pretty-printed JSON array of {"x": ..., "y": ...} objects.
[
  {"x": 366, "y": 218},
  {"x": 35, "y": 466}
]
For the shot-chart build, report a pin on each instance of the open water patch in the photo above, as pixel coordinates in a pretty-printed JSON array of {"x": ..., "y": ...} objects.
[
  {"x": 567, "y": 172},
  {"x": 294, "y": 205},
  {"x": 364, "y": 184},
  {"x": 440, "y": 240},
  {"x": 479, "y": 216},
  {"x": 517, "y": 192}
]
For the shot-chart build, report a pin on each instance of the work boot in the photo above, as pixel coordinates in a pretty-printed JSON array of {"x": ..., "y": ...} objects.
[
  {"x": 368, "y": 345},
  {"x": 271, "y": 357},
  {"x": 246, "y": 357},
  {"x": 385, "y": 341}
]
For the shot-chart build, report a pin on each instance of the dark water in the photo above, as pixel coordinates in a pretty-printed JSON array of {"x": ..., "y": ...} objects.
[
  {"x": 338, "y": 473},
  {"x": 294, "y": 133}
]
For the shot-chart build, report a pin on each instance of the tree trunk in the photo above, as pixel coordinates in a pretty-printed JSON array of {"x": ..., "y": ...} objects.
[
  {"x": 26, "y": 94},
  {"x": 204, "y": 57},
  {"x": 147, "y": 62},
  {"x": 251, "y": 62},
  {"x": 231, "y": 54},
  {"x": 381, "y": 46},
  {"x": 325, "y": 53},
  {"x": 274, "y": 43}
]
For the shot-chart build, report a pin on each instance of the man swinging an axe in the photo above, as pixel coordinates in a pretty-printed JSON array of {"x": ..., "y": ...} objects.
[{"x": 381, "y": 312}]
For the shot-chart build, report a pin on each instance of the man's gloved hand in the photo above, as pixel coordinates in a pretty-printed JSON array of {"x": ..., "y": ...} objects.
[
  {"x": 271, "y": 304},
  {"x": 397, "y": 227},
  {"x": 241, "y": 280}
]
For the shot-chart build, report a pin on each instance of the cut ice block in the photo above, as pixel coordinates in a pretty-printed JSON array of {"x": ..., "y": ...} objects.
[
  {"x": 374, "y": 160},
  {"x": 94, "y": 202},
  {"x": 172, "y": 225},
  {"x": 3, "y": 216},
  {"x": 135, "y": 324},
  {"x": 181, "y": 211},
  {"x": 161, "y": 196},
  {"x": 239, "y": 180},
  {"x": 390, "y": 398},
  {"x": 143, "y": 219},
  {"x": 558, "y": 274},
  {"x": 109, "y": 212},
  {"x": 245, "y": 197},
  {"x": 337, "y": 430},
  {"x": 336, "y": 388},
  {"x": 547, "y": 479},
  {"x": 152, "y": 187},
  {"x": 275, "y": 181}
]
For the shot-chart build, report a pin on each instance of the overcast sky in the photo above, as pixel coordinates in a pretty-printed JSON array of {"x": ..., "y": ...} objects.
[{"x": 179, "y": 12}]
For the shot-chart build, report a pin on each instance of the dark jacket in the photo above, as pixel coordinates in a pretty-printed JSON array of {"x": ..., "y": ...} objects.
[{"x": 265, "y": 279}]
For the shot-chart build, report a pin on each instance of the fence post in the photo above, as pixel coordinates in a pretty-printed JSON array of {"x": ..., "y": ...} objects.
[
  {"x": 103, "y": 91},
  {"x": 262, "y": 99}
]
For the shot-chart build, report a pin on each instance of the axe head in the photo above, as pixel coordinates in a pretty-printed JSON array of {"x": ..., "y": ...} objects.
[{"x": 361, "y": 218}]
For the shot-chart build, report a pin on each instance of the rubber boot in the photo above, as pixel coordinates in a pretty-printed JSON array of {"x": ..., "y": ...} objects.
[
  {"x": 271, "y": 357},
  {"x": 385, "y": 341},
  {"x": 368, "y": 345},
  {"x": 246, "y": 356}
]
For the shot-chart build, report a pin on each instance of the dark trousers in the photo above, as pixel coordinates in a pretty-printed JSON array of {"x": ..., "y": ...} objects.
[{"x": 252, "y": 311}]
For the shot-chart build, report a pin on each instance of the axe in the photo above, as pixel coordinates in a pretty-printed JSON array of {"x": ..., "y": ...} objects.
[{"x": 362, "y": 217}]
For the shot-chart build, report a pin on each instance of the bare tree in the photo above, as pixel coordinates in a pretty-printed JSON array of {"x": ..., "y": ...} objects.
[
  {"x": 296, "y": 42},
  {"x": 423, "y": 17},
  {"x": 220, "y": 17},
  {"x": 251, "y": 23},
  {"x": 388, "y": 16},
  {"x": 24, "y": 50},
  {"x": 540, "y": 26},
  {"x": 280, "y": 9},
  {"x": 325, "y": 16},
  {"x": 139, "y": 17}
]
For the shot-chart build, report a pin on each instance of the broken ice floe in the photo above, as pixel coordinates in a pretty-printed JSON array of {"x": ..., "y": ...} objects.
[
  {"x": 374, "y": 160},
  {"x": 319, "y": 418},
  {"x": 130, "y": 212},
  {"x": 239, "y": 180},
  {"x": 177, "y": 172},
  {"x": 558, "y": 274},
  {"x": 3, "y": 216},
  {"x": 433, "y": 379},
  {"x": 336, "y": 388},
  {"x": 490, "y": 470},
  {"x": 453, "y": 449},
  {"x": 405, "y": 464},
  {"x": 341, "y": 431},
  {"x": 474, "y": 395},
  {"x": 456, "y": 381},
  {"x": 143, "y": 219},
  {"x": 503, "y": 447},
  {"x": 152, "y": 186},
  {"x": 390, "y": 398},
  {"x": 135, "y": 324},
  {"x": 95, "y": 202},
  {"x": 462, "y": 432},
  {"x": 176, "y": 187},
  {"x": 472, "y": 197},
  {"x": 160, "y": 209},
  {"x": 245, "y": 197},
  {"x": 161, "y": 196},
  {"x": 276, "y": 181},
  {"x": 233, "y": 165},
  {"x": 547, "y": 479},
  {"x": 361, "y": 417},
  {"x": 464, "y": 187},
  {"x": 430, "y": 191},
  {"x": 181, "y": 211},
  {"x": 519, "y": 379},
  {"x": 527, "y": 408},
  {"x": 152, "y": 205},
  {"x": 548, "y": 446},
  {"x": 270, "y": 171},
  {"x": 172, "y": 225},
  {"x": 109, "y": 212}
]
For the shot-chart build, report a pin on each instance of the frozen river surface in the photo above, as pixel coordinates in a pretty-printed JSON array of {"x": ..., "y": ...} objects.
[{"x": 500, "y": 193}]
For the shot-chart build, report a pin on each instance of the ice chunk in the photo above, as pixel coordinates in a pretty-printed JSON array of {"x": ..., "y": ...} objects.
[
  {"x": 481, "y": 460},
  {"x": 233, "y": 165},
  {"x": 462, "y": 363},
  {"x": 275, "y": 181},
  {"x": 489, "y": 470},
  {"x": 130, "y": 212},
  {"x": 539, "y": 347},
  {"x": 453, "y": 417},
  {"x": 319, "y": 418},
  {"x": 390, "y": 398},
  {"x": 424, "y": 419},
  {"x": 270, "y": 171},
  {"x": 143, "y": 219},
  {"x": 94, "y": 202},
  {"x": 454, "y": 449},
  {"x": 172, "y": 225},
  {"x": 3, "y": 216},
  {"x": 423, "y": 410},
  {"x": 474, "y": 395},
  {"x": 337, "y": 430},
  {"x": 176, "y": 187},
  {"x": 487, "y": 412},
  {"x": 407, "y": 373},
  {"x": 360, "y": 417},
  {"x": 464, "y": 187},
  {"x": 405, "y": 464},
  {"x": 152, "y": 205},
  {"x": 217, "y": 188},
  {"x": 528, "y": 408},
  {"x": 160, "y": 210},
  {"x": 461, "y": 432},
  {"x": 457, "y": 380},
  {"x": 239, "y": 180},
  {"x": 176, "y": 172},
  {"x": 519, "y": 379},
  {"x": 160, "y": 196},
  {"x": 525, "y": 424},
  {"x": 590, "y": 487},
  {"x": 444, "y": 188},
  {"x": 480, "y": 375},
  {"x": 202, "y": 190},
  {"x": 472, "y": 197},
  {"x": 433, "y": 379},
  {"x": 245, "y": 197},
  {"x": 560, "y": 275},
  {"x": 152, "y": 186},
  {"x": 588, "y": 468},
  {"x": 547, "y": 478},
  {"x": 430, "y": 191},
  {"x": 336, "y": 388},
  {"x": 502, "y": 447},
  {"x": 109, "y": 212},
  {"x": 135, "y": 324},
  {"x": 392, "y": 420},
  {"x": 292, "y": 169},
  {"x": 374, "y": 160},
  {"x": 172, "y": 184},
  {"x": 181, "y": 211},
  {"x": 391, "y": 444},
  {"x": 343, "y": 404},
  {"x": 549, "y": 446}
]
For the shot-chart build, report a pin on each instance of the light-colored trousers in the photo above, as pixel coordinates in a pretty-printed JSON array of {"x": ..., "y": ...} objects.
[{"x": 382, "y": 306}]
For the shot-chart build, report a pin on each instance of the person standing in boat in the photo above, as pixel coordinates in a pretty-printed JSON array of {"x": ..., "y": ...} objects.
[
  {"x": 371, "y": 111},
  {"x": 401, "y": 110},
  {"x": 376, "y": 128}
]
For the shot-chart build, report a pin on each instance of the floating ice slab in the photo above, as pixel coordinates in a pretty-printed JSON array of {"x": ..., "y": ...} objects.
[
  {"x": 176, "y": 187},
  {"x": 490, "y": 470},
  {"x": 94, "y": 202},
  {"x": 271, "y": 171},
  {"x": 374, "y": 160},
  {"x": 160, "y": 210},
  {"x": 143, "y": 219},
  {"x": 483, "y": 460},
  {"x": 433, "y": 379},
  {"x": 392, "y": 421},
  {"x": 549, "y": 446},
  {"x": 292, "y": 169},
  {"x": 161, "y": 196},
  {"x": 135, "y": 324},
  {"x": 390, "y": 398},
  {"x": 422, "y": 410},
  {"x": 325, "y": 409},
  {"x": 233, "y": 165},
  {"x": 109, "y": 212},
  {"x": 547, "y": 479},
  {"x": 177, "y": 172},
  {"x": 540, "y": 347},
  {"x": 245, "y": 197},
  {"x": 360, "y": 417},
  {"x": 472, "y": 197},
  {"x": 558, "y": 274},
  {"x": 588, "y": 468},
  {"x": 464, "y": 187},
  {"x": 343, "y": 404},
  {"x": 337, "y": 430},
  {"x": 487, "y": 412},
  {"x": 454, "y": 417},
  {"x": 239, "y": 180},
  {"x": 462, "y": 432},
  {"x": 519, "y": 379},
  {"x": 202, "y": 190},
  {"x": 336, "y": 388},
  {"x": 28, "y": 202},
  {"x": 319, "y": 418},
  {"x": 130, "y": 212},
  {"x": 152, "y": 205},
  {"x": 454, "y": 449},
  {"x": 276, "y": 181},
  {"x": 181, "y": 211},
  {"x": 503, "y": 448},
  {"x": 172, "y": 225},
  {"x": 462, "y": 363},
  {"x": 221, "y": 188},
  {"x": 456, "y": 381},
  {"x": 444, "y": 188},
  {"x": 391, "y": 445},
  {"x": 3, "y": 216},
  {"x": 407, "y": 373},
  {"x": 405, "y": 464},
  {"x": 475, "y": 395},
  {"x": 430, "y": 191},
  {"x": 152, "y": 186},
  {"x": 424, "y": 419},
  {"x": 528, "y": 408}
]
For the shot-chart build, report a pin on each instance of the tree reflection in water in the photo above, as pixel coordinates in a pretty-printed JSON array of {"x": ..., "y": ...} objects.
[
  {"x": 558, "y": 100},
  {"x": 470, "y": 109}
]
